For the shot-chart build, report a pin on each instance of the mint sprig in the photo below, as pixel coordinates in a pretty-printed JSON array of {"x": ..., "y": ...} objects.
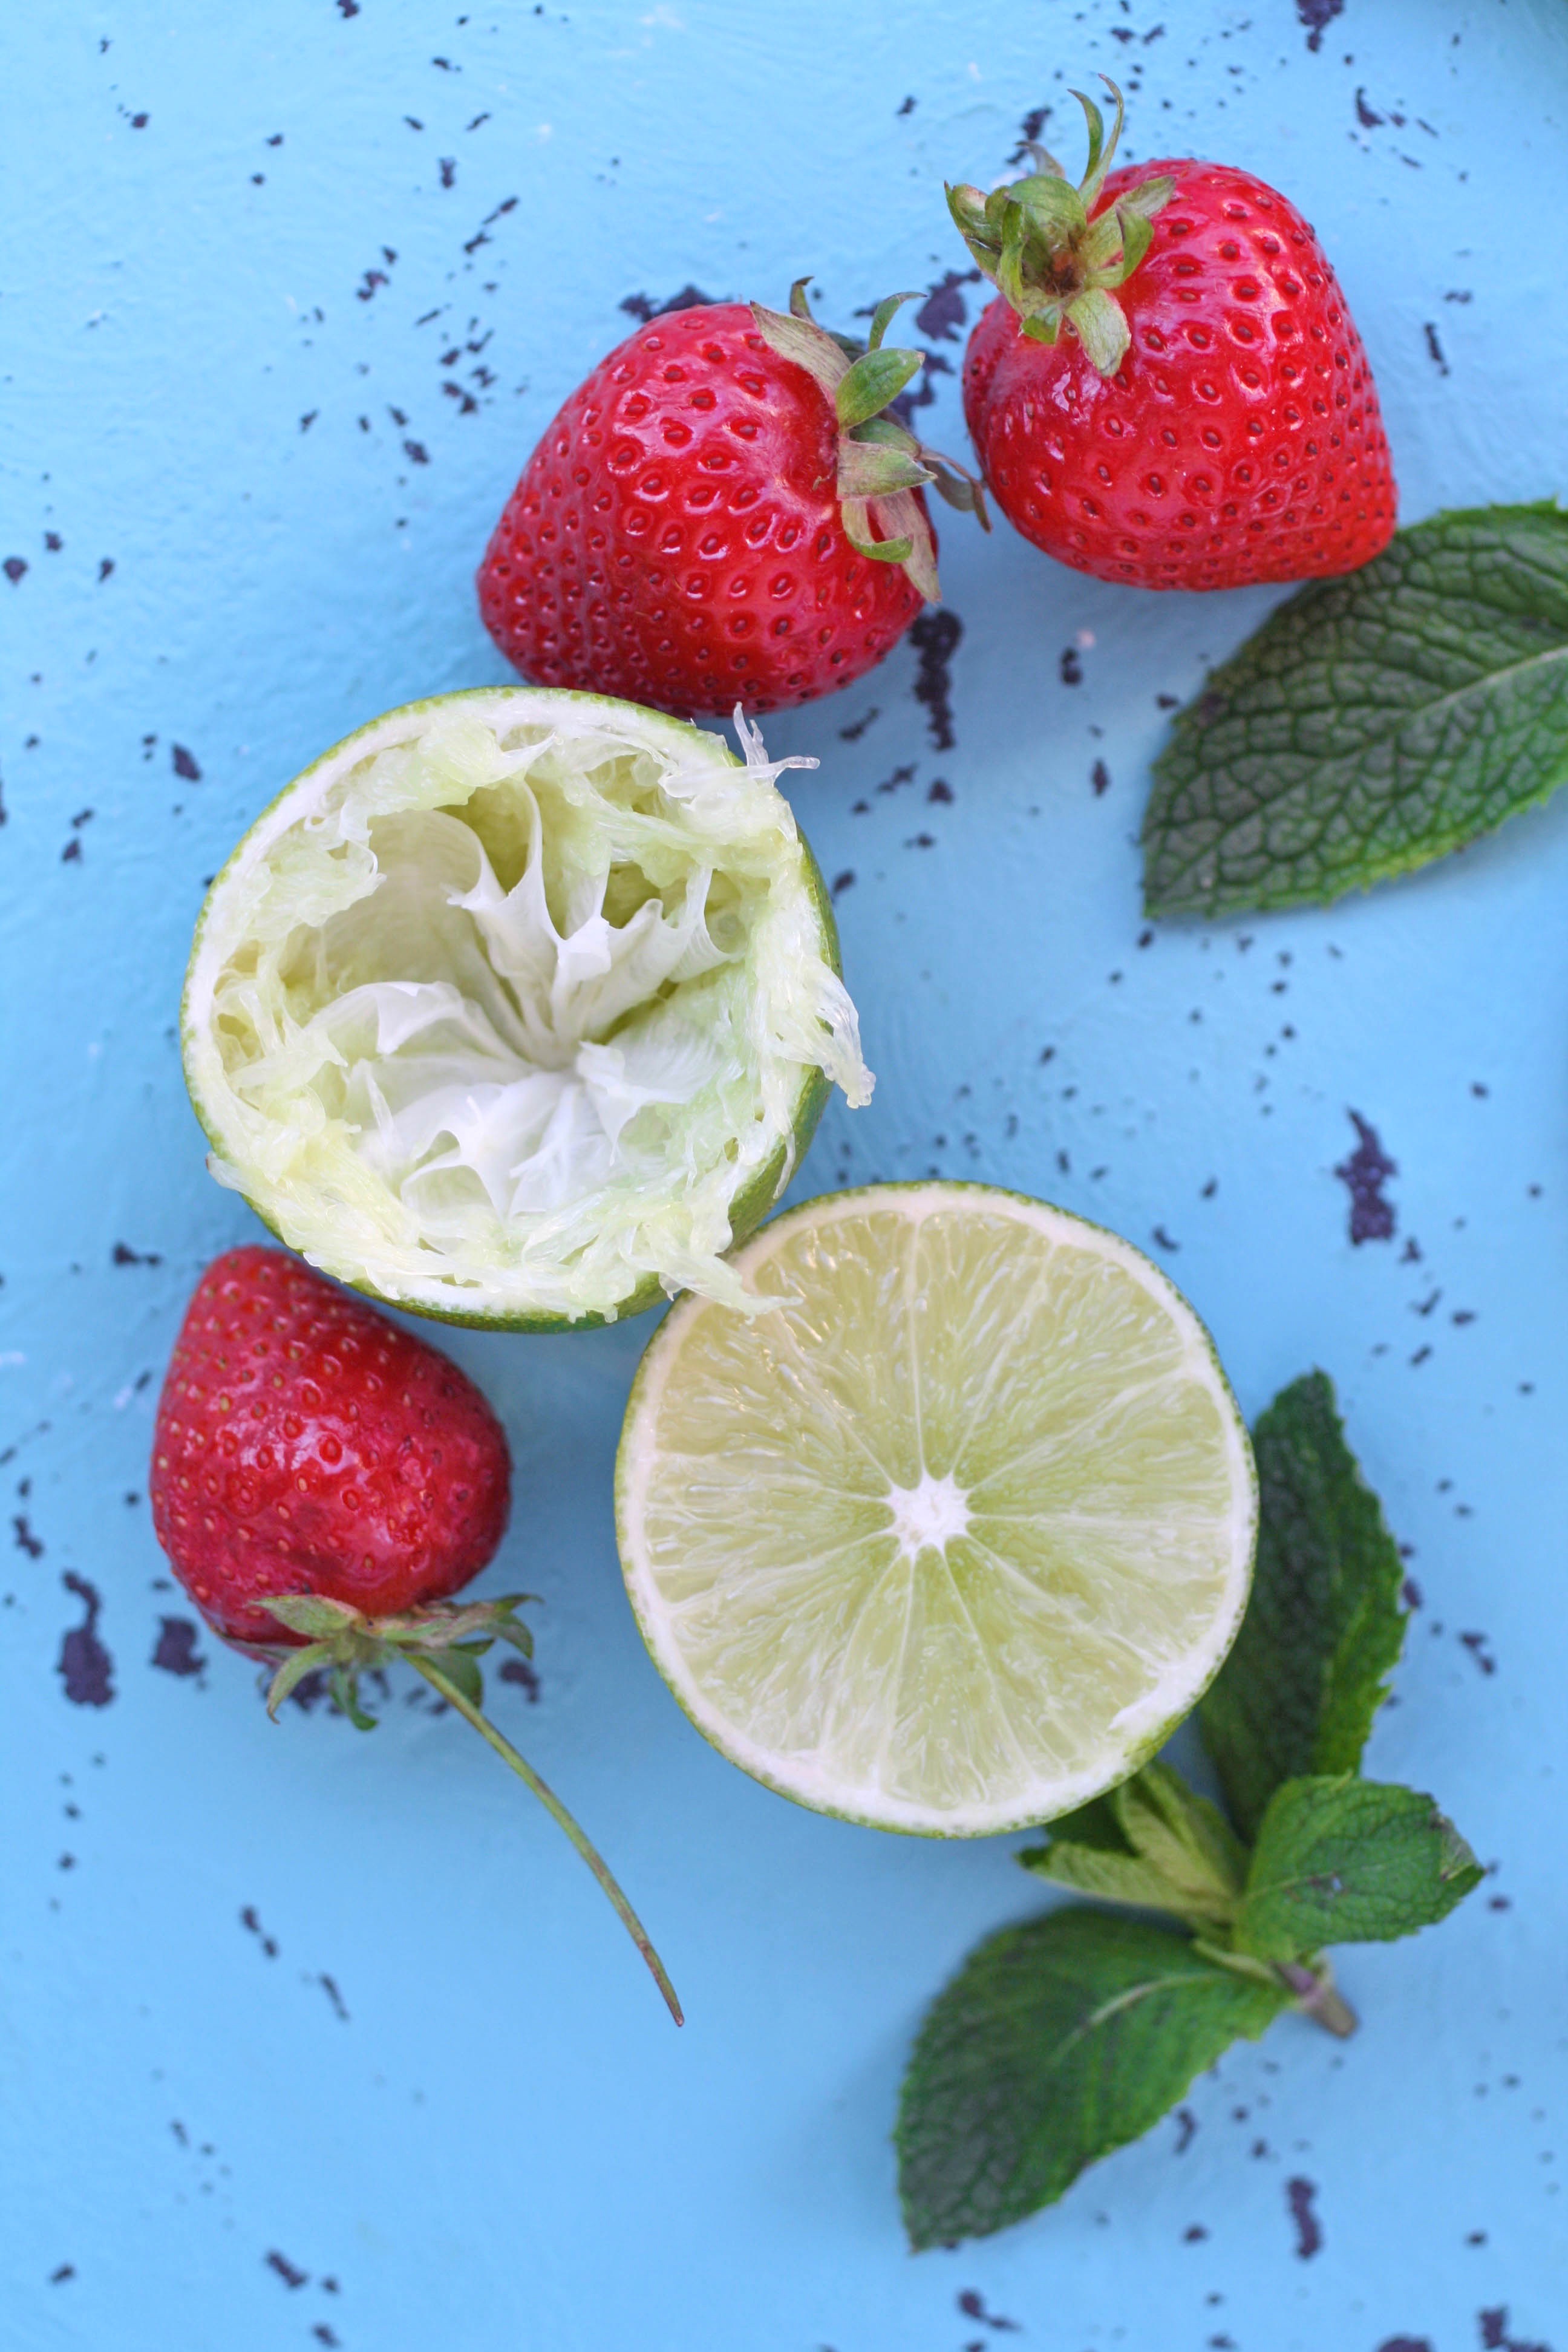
[
  {"x": 1372, "y": 723},
  {"x": 1063, "y": 2039}
]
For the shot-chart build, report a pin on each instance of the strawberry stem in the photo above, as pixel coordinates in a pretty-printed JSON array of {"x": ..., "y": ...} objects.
[{"x": 558, "y": 1813}]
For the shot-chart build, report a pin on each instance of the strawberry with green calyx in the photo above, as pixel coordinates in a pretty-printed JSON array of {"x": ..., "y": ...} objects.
[
  {"x": 1052, "y": 254},
  {"x": 722, "y": 511},
  {"x": 880, "y": 460},
  {"x": 321, "y": 1482},
  {"x": 1171, "y": 391},
  {"x": 445, "y": 1643}
]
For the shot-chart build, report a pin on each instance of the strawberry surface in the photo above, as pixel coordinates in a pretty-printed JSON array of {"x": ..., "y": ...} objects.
[
  {"x": 306, "y": 1444},
  {"x": 1240, "y": 438},
  {"x": 675, "y": 537}
]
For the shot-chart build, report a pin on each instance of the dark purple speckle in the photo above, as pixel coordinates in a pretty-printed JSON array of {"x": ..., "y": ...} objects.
[
  {"x": 176, "y": 1652},
  {"x": 1299, "y": 2196},
  {"x": 1363, "y": 1174},
  {"x": 85, "y": 1665},
  {"x": 1317, "y": 14}
]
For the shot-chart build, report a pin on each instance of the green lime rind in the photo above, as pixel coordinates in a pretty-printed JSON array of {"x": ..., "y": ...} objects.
[
  {"x": 1124, "y": 1754},
  {"x": 760, "y": 1190}
]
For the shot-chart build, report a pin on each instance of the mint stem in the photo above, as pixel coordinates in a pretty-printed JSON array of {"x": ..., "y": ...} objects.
[
  {"x": 1316, "y": 1998},
  {"x": 558, "y": 1813}
]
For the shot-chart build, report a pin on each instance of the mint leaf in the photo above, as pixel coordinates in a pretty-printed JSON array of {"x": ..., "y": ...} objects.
[
  {"x": 1372, "y": 723},
  {"x": 1346, "y": 1861},
  {"x": 1056, "y": 2043},
  {"x": 1322, "y": 1631},
  {"x": 1152, "y": 1843}
]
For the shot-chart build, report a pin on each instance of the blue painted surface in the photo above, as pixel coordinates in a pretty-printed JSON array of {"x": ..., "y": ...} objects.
[{"x": 350, "y": 2003}]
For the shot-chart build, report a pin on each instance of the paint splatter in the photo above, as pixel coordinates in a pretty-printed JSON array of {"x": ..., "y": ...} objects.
[
  {"x": 518, "y": 1669},
  {"x": 944, "y": 310},
  {"x": 1299, "y": 2196},
  {"x": 250, "y": 1921},
  {"x": 973, "y": 2305},
  {"x": 935, "y": 635},
  {"x": 1365, "y": 1174},
  {"x": 290, "y": 2272},
  {"x": 1317, "y": 16},
  {"x": 85, "y": 1665},
  {"x": 1495, "y": 2336},
  {"x": 643, "y": 307},
  {"x": 184, "y": 764},
  {"x": 176, "y": 1652}
]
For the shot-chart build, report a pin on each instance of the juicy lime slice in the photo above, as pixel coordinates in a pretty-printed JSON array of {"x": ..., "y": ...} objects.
[
  {"x": 520, "y": 1006},
  {"x": 951, "y": 1538}
]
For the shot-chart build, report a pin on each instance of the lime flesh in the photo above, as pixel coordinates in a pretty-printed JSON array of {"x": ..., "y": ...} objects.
[
  {"x": 951, "y": 1539},
  {"x": 517, "y": 1007}
]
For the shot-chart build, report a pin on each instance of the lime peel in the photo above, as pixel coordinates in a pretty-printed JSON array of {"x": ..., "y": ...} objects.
[
  {"x": 950, "y": 1542},
  {"x": 518, "y": 1006}
]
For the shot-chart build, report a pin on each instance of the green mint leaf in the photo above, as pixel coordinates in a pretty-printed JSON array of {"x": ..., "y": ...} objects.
[
  {"x": 1152, "y": 1843},
  {"x": 1322, "y": 1631},
  {"x": 1372, "y": 723},
  {"x": 1346, "y": 1861},
  {"x": 1056, "y": 2043}
]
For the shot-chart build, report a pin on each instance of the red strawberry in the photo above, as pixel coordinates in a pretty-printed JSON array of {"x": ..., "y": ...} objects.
[
  {"x": 720, "y": 513},
  {"x": 1207, "y": 418},
  {"x": 321, "y": 1482},
  {"x": 305, "y": 1444}
]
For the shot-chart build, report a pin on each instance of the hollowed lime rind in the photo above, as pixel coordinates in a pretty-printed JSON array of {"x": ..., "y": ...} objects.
[
  {"x": 758, "y": 1765},
  {"x": 750, "y": 1205}
]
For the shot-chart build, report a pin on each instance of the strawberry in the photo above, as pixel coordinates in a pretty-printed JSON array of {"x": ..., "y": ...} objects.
[
  {"x": 721, "y": 512},
  {"x": 321, "y": 1481},
  {"x": 1170, "y": 391},
  {"x": 306, "y": 1444}
]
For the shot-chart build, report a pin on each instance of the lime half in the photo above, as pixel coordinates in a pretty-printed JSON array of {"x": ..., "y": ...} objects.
[
  {"x": 954, "y": 1536},
  {"x": 517, "y": 1008}
]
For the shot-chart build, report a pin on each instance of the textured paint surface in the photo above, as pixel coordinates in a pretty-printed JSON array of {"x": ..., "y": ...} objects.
[{"x": 311, "y": 2039}]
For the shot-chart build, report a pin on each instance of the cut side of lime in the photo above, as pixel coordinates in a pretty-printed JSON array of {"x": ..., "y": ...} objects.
[
  {"x": 951, "y": 1538},
  {"x": 517, "y": 1008}
]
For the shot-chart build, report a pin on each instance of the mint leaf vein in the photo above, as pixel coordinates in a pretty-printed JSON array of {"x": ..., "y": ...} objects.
[{"x": 1372, "y": 723}]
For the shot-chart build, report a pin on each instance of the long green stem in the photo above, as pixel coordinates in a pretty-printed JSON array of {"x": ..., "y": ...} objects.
[{"x": 558, "y": 1813}]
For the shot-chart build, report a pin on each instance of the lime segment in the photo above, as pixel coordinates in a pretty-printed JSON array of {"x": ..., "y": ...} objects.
[{"x": 951, "y": 1538}]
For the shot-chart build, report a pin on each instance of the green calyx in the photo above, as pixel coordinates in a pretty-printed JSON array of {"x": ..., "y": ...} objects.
[
  {"x": 344, "y": 1644},
  {"x": 1054, "y": 257},
  {"x": 881, "y": 464},
  {"x": 445, "y": 1643}
]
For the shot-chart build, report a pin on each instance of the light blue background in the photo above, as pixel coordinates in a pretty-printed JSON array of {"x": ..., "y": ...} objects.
[{"x": 505, "y": 2145}]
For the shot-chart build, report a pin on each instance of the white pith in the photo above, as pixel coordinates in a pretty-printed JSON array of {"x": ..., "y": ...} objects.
[
  {"x": 504, "y": 1002},
  {"x": 940, "y": 1552}
]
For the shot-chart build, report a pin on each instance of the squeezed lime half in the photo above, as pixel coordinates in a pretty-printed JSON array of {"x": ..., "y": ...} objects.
[
  {"x": 517, "y": 1008},
  {"x": 951, "y": 1538}
]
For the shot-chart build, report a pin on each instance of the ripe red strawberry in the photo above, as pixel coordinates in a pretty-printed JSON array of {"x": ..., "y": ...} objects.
[
  {"x": 306, "y": 1444},
  {"x": 321, "y": 1482},
  {"x": 720, "y": 513},
  {"x": 1171, "y": 391}
]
